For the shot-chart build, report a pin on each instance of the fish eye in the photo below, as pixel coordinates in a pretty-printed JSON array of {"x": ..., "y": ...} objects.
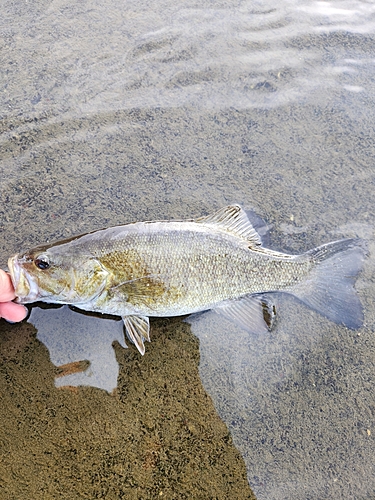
[{"x": 42, "y": 263}]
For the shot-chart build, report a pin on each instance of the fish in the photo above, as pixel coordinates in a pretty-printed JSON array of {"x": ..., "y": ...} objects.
[{"x": 175, "y": 268}]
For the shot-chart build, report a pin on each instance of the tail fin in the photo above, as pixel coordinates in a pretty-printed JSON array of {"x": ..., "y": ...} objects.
[{"x": 329, "y": 287}]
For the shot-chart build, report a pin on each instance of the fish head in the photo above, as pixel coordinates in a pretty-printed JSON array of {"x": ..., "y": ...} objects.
[{"x": 56, "y": 277}]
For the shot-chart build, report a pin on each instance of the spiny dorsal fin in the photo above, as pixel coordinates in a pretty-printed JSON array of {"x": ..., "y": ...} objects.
[{"x": 233, "y": 219}]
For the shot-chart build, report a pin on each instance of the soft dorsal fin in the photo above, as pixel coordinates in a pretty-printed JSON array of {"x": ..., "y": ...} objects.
[{"x": 233, "y": 219}]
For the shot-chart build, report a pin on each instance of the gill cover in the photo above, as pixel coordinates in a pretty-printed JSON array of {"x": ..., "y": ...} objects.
[{"x": 63, "y": 279}]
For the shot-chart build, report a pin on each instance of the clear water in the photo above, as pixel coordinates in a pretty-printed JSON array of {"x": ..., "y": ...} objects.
[{"x": 113, "y": 112}]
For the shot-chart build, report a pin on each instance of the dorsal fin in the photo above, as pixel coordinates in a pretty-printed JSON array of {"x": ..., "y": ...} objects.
[{"x": 234, "y": 220}]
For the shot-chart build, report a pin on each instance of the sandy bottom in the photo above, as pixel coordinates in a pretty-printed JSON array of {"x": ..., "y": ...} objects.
[{"x": 157, "y": 436}]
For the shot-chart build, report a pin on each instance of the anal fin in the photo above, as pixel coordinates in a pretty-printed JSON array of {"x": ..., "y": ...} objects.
[
  {"x": 137, "y": 329},
  {"x": 253, "y": 313}
]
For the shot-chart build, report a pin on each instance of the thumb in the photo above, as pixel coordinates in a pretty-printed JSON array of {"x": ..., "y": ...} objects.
[{"x": 6, "y": 287}]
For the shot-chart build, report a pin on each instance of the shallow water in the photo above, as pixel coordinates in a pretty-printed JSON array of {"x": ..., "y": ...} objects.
[{"x": 118, "y": 112}]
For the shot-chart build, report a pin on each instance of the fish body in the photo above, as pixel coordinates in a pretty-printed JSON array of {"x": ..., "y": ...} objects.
[{"x": 172, "y": 268}]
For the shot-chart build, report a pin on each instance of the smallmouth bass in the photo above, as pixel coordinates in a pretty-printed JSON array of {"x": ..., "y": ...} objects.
[{"x": 173, "y": 268}]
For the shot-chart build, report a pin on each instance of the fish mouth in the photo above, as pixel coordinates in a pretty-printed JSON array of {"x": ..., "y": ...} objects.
[{"x": 25, "y": 287}]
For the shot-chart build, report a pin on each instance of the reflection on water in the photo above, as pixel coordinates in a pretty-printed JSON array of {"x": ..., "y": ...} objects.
[
  {"x": 164, "y": 54},
  {"x": 72, "y": 337},
  {"x": 114, "y": 112}
]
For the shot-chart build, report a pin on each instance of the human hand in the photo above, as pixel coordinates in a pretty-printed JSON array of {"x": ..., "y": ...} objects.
[{"x": 9, "y": 310}]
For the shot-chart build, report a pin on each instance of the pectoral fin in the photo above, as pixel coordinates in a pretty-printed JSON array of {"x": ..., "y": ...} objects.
[
  {"x": 137, "y": 329},
  {"x": 254, "y": 313}
]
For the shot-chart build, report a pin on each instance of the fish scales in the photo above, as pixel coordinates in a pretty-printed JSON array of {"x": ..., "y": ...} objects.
[
  {"x": 172, "y": 271},
  {"x": 170, "y": 268}
]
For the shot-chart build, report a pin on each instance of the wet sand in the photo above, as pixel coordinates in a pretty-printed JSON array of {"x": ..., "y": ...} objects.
[{"x": 157, "y": 436}]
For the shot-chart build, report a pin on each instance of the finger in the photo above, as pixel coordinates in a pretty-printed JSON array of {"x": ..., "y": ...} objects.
[
  {"x": 6, "y": 287},
  {"x": 12, "y": 312}
]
